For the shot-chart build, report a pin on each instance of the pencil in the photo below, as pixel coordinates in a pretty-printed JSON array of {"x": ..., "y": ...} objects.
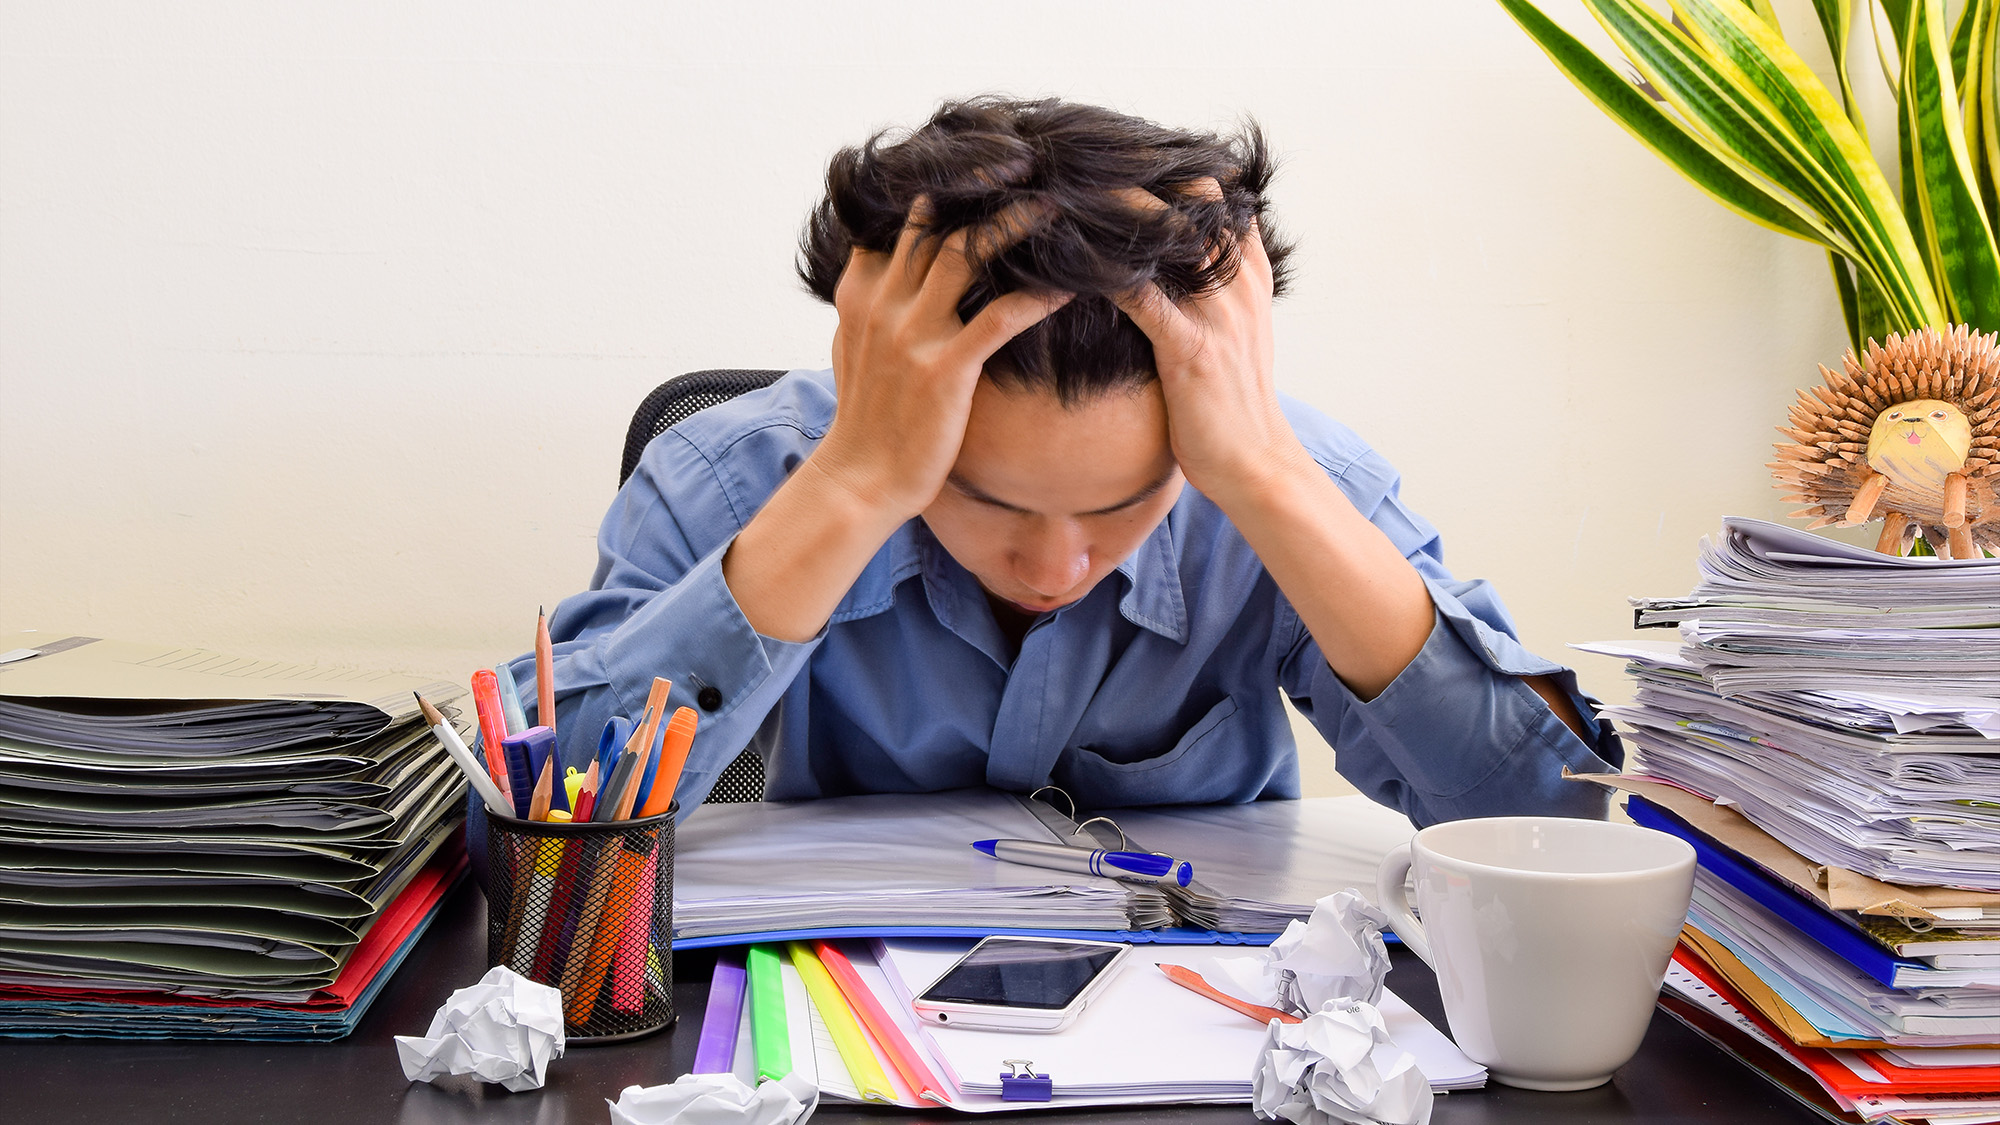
[
  {"x": 538, "y": 805},
  {"x": 620, "y": 868},
  {"x": 643, "y": 739},
  {"x": 471, "y": 767},
  {"x": 673, "y": 758},
  {"x": 586, "y": 797},
  {"x": 624, "y": 786},
  {"x": 545, "y": 672}
]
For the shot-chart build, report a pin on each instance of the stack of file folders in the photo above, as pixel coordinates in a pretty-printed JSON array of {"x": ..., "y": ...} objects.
[
  {"x": 903, "y": 864},
  {"x": 195, "y": 846},
  {"x": 1827, "y": 735}
]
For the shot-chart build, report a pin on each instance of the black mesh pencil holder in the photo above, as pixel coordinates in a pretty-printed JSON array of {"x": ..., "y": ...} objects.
[{"x": 588, "y": 909}]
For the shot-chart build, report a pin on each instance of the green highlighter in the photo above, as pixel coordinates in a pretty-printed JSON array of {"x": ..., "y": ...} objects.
[{"x": 768, "y": 1034}]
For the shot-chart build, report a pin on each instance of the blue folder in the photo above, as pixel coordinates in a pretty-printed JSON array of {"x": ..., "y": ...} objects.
[{"x": 1803, "y": 913}]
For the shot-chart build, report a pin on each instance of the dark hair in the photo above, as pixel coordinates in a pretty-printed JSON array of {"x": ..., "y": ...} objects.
[{"x": 974, "y": 157}]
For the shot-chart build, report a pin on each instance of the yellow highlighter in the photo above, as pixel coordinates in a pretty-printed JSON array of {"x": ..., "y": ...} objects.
[
  {"x": 862, "y": 1065},
  {"x": 573, "y": 785}
]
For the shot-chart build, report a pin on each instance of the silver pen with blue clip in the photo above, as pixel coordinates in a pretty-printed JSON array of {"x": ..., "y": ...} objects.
[{"x": 1143, "y": 867}]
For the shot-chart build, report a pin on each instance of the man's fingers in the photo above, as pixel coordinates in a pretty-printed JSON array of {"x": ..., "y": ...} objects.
[
  {"x": 913, "y": 250},
  {"x": 1005, "y": 318},
  {"x": 961, "y": 255},
  {"x": 1157, "y": 317},
  {"x": 1254, "y": 261}
]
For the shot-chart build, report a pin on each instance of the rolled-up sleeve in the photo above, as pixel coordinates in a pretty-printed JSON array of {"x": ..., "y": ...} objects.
[
  {"x": 1457, "y": 733},
  {"x": 659, "y": 606}
]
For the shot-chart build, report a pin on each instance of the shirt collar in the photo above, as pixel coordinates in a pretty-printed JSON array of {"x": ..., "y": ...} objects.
[{"x": 1153, "y": 597}]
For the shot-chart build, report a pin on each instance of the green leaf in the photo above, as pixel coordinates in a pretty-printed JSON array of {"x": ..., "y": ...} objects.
[
  {"x": 1873, "y": 312},
  {"x": 1748, "y": 53},
  {"x": 1716, "y": 97},
  {"x": 1836, "y": 22},
  {"x": 1954, "y": 226},
  {"x": 1850, "y": 302},
  {"x": 1982, "y": 130},
  {"x": 1711, "y": 168},
  {"x": 1962, "y": 37}
]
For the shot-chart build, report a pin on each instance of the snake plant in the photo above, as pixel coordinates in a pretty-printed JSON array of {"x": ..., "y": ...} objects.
[{"x": 1718, "y": 93}]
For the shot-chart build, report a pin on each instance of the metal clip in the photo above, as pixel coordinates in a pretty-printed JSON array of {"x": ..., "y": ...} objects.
[{"x": 1024, "y": 1085}]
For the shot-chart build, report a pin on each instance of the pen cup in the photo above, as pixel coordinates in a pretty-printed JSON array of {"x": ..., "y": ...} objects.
[{"x": 588, "y": 909}]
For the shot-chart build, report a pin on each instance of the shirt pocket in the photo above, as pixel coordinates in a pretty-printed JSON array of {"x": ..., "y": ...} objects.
[{"x": 1201, "y": 768}]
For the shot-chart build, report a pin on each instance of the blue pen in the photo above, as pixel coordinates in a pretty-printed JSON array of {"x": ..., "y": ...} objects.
[
  {"x": 521, "y": 783},
  {"x": 510, "y": 699},
  {"x": 1145, "y": 867}
]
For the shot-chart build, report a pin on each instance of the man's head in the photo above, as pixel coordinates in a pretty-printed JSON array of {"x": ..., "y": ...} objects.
[{"x": 973, "y": 158}]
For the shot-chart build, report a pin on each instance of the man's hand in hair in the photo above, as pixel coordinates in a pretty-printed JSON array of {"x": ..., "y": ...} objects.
[
  {"x": 1360, "y": 598},
  {"x": 905, "y": 367},
  {"x": 1213, "y": 354}
]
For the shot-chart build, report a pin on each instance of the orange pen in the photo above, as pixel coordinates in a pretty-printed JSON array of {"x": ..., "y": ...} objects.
[{"x": 673, "y": 758}]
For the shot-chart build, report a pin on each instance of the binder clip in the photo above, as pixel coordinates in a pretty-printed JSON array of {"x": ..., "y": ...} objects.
[{"x": 1024, "y": 1085}]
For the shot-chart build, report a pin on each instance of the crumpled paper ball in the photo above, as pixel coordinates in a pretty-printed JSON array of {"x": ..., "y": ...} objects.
[
  {"x": 1337, "y": 953},
  {"x": 717, "y": 1099},
  {"x": 1339, "y": 1065},
  {"x": 504, "y": 1029}
]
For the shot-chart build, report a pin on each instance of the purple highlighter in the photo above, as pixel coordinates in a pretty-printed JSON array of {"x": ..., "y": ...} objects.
[{"x": 715, "y": 1053}]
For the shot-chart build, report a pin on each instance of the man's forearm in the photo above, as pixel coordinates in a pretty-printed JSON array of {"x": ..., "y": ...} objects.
[
  {"x": 1356, "y": 593},
  {"x": 794, "y": 561}
]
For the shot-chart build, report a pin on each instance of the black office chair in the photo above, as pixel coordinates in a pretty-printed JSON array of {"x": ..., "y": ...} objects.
[{"x": 672, "y": 402}]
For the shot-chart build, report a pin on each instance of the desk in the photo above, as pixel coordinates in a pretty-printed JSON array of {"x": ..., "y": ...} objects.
[{"x": 1677, "y": 1076}]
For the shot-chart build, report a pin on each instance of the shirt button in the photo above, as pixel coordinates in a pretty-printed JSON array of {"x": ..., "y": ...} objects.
[{"x": 708, "y": 699}]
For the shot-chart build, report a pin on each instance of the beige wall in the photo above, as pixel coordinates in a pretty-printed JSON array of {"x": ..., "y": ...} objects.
[{"x": 320, "y": 324}]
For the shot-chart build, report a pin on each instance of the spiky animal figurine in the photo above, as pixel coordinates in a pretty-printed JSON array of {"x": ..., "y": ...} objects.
[{"x": 1912, "y": 434}]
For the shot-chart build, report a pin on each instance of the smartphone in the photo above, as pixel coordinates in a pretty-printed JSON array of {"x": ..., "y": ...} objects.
[{"x": 1021, "y": 984}]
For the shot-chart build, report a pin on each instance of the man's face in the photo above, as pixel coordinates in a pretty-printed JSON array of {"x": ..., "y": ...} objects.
[{"x": 1045, "y": 500}]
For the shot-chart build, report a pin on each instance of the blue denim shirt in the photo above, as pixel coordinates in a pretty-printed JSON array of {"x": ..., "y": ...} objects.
[{"x": 1160, "y": 686}]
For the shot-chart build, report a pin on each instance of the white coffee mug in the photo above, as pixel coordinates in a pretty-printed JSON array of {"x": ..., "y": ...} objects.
[{"x": 1549, "y": 936}]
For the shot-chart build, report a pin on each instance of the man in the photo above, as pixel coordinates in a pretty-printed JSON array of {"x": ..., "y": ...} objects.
[{"x": 1047, "y": 520}]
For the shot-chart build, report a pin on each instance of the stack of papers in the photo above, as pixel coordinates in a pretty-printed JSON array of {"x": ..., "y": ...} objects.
[
  {"x": 900, "y": 864},
  {"x": 193, "y": 845},
  {"x": 1824, "y": 734},
  {"x": 1866, "y": 747},
  {"x": 1145, "y": 1040}
]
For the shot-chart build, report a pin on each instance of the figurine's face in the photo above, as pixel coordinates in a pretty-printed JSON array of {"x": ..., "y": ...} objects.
[{"x": 1918, "y": 442}]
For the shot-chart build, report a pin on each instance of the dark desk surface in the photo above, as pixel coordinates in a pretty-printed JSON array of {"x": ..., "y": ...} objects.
[{"x": 1677, "y": 1076}]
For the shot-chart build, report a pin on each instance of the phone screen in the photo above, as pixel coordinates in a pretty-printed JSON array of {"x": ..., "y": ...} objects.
[{"x": 1012, "y": 973}]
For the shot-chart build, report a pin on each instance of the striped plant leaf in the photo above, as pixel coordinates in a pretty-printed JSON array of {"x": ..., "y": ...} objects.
[
  {"x": 1850, "y": 301},
  {"x": 1716, "y": 98},
  {"x": 1836, "y": 22},
  {"x": 1712, "y": 168},
  {"x": 1958, "y": 236},
  {"x": 1978, "y": 89},
  {"x": 1962, "y": 34},
  {"x": 1747, "y": 50}
]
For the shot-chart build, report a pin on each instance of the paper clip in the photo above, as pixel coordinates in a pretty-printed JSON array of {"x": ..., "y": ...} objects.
[{"x": 1024, "y": 1085}]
